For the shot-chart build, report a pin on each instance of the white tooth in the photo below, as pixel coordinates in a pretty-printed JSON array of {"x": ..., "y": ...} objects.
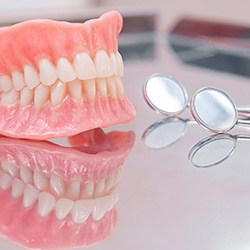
[
  {"x": 30, "y": 195},
  {"x": 102, "y": 64},
  {"x": 101, "y": 206},
  {"x": 46, "y": 203},
  {"x": 5, "y": 180},
  {"x": 40, "y": 180},
  {"x": 18, "y": 80},
  {"x": 17, "y": 188},
  {"x": 10, "y": 97},
  {"x": 81, "y": 210},
  {"x": 5, "y": 83},
  {"x": 84, "y": 66},
  {"x": 109, "y": 182},
  {"x": 115, "y": 195},
  {"x": 117, "y": 176},
  {"x": 113, "y": 64},
  {"x": 31, "y": 77},
  {"x": 57, "y": 185},
  {"x": 63, "y": 207},
  {"x": 120, "y": 66},
  {"x": 47, "y": 72},
  {"x": 41, "y": 95},
  {"x": 26, "y": 96},
  {"x": 101, "y": 86},
  {"x": 89, "y": 88},
  {"x": 111, "y": 85},
  {"x": 110, "y": 201},
  {"x": 87, "y": 190},
  {"x": 75, "y": 89},
  {"x": 65, "y": 70},
  {"x": 99, "y": 187},
  {"x": 119, "y": 86},
  {"x": 26, "y": 174},
  {"x": 10, "y": 168},
  {"x": 73, "y": 189},
  {"x": 58, "y": 92}
]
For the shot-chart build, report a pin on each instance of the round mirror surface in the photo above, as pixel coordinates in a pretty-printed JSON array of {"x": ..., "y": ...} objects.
[
  {"x": 214, "y": 109},
  {"x": 165, "y": 95},
  {"x": 164, "y": 133},
  {"x": 212, "y": 150}
]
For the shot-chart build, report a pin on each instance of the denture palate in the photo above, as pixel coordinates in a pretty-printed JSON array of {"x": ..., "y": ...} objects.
[{"x": 81, "y": 77}]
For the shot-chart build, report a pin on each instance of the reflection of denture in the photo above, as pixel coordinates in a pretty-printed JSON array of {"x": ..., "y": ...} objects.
[
  {"x": 48, "y": 192},
  {"x": 59, "y": 79}
]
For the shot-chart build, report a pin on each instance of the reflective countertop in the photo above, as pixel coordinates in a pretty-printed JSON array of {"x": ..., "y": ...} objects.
[{"x": 166, "y": 202}]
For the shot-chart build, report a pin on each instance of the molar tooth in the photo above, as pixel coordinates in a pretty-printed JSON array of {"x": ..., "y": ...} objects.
[
  {"x": 89, "y": 88},
  {"x": 101, "y": 206},
  {"x": 25, "y": 174},
  {"x": 47, "y": 72},
  {"x": 75, "y": 89},
  {"x": 87, "y": 190},
  {"x": 65, "y": 70},
  {"x": 101, "y": 86},
  {"x": 102, "y": 64},
  {"x": 99, "y": 187},
  {"x": 113, "y": 64},
  {"x": 73, "y": 189},
  {"x": 81, "y": 210},
  {"x": 30, "y": 195},
  {"x": 10, "y": 97},
  {"x": 57, "y": 185},
  {"x": 10, "y": 168},
  {"x": 26, "y": 96},
  {"x": 5, "y": 83},
  {"x": 63, "y": 207},
  {"x": 41, "y": 95},
  {"x": 5, "y": 180},
  {"x": 111, "y": 87},
  {"x": 58, "y": 92},
  {"x": 17, "y": 188},
  {"x": 31, "y": 77},
  {"x": 84, "y": 66},
  {"x": 18, "y": 80},
  {"x": 40, "y": 180},
  {"x": 46, "y": 203},
  {"x": 120, "y": 66}
]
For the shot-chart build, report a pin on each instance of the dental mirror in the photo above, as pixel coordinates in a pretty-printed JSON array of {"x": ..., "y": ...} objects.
[
  {"x": 165, "y": 95},
  {"x": 164, "y": 133}
]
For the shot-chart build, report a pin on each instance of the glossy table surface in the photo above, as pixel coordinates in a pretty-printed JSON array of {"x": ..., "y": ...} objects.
[{"x": 165, "y": 201}]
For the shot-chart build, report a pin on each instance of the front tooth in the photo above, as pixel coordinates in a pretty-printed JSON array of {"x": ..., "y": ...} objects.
[
  {"x": 41, "y": 95},
  {"x": 73, "y": 190},
  {"x": 17, "y": 188},
  {"x": 57, "y": 185},
  {"x": 5, "y": 180},
  {"x": 18, "y": 80},
  {"x": 26, "y": 96},
  {"x": 109, "y": 182},
  {"x": 5, "y": 83},
  {"x": 87, "y": 190},
  {"x": 63, "y": 207},
  {"x": 119, "y": 86},
  {"x": 120, "y": 66},
  {"x": 102, "y": 64},
  {"x": 10, "y": 168},
  {"x": 75, "y": 89},
  {"x": 40, "y": 180},
  {"x": 47, "y": 72},
  {"x": 101, "y": 206},
  {"x": 84, "y": 66},
  {"x": 26, "y": 174},
  {"x": 30, "y": 195},
  {"x": 81, "y": 210},
  {"x": 89, "y": 88},
  {"x": 101, "y": 86},
  {"x": 10, "y": 97},
  {"x": 58, "y": 92},
  {"x": 111, "y": 85},
  {"x": 65, "y": 70},
  {"x": 117, "y": 176},
  {"x": 46, "y": 203},
  {"x": 113, "y": 64},
  {"x": 31, "y": 77},
  {"x": 99, "y": 187}
]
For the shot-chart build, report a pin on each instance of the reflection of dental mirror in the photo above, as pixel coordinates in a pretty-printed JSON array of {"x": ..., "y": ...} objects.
[
  {"x": 165, "y": 95},
  {"x": 213, "y": 150},
  {"x": 164, "y": 133}
]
